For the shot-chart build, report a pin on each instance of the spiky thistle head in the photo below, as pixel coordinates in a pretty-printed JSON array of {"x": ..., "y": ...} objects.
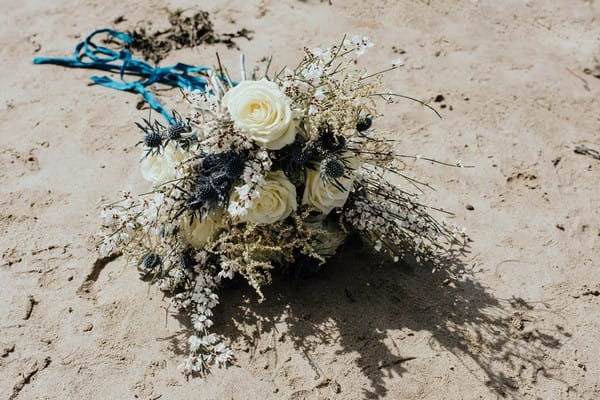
[
  {"x": 204, "y": 194},
  {"x": 298, "y": 156},
  {"x": 337, "y": 169},
  {"x": 177, "y": 129},
  {"x": 153, "y": 139},
  {"x": 187, "y": 260},
  {"x": 235, "y": 167},
  {"x": 229, "y": 163},
  {"x": 151, "y": 260},
  {"x": 364, "y": 123},
  {"x": 153, "y": 136},
  {"x": 332, "y": 168},
  {"x": 148, "y": 266},
  {"x": 328, "y": 141},
  {"x": 222, "y": 184}
]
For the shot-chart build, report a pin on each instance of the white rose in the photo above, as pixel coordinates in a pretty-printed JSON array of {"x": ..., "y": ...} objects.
[
  {"x": 160, "y": 168},
  {"x": 200, "y": 231},
  {"x": 262, "y": 110},
  {"x": 324, "y": 195},
  {"x": 276, "y": 200}
]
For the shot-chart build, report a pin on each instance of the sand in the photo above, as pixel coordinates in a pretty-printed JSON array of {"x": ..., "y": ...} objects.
[{"x": 523, "y": 324}]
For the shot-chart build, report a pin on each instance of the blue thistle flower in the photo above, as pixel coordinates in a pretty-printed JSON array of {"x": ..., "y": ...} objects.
[
  {"x": 333, "y": 168},
  {"x": 177, "y": 128},
  {"x": 148, "y": 266},
  {"x": 364, "y": 123},
  {"x": 153, "y": 137}
]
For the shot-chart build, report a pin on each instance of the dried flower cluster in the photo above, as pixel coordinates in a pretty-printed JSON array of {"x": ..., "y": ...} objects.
[{"x": 263, "y": 173}]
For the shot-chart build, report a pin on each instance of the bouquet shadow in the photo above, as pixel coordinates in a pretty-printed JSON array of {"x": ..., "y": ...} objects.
[{"x": 377, "y": 313}]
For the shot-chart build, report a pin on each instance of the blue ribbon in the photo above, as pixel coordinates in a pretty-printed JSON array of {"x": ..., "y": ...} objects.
[{"x": 87, "y": 54}]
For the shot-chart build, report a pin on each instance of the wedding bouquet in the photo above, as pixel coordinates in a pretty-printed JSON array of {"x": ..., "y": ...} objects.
[{"x": 274, "y": 171}]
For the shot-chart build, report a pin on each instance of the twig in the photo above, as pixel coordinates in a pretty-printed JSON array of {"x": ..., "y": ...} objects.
[
  {"x": 382, "y": 95},
  {"x": 395, "y": 362},
  {"x": 27, "y": 377},
  {"x": 586, "y": 151},
  {"x": 585, "y": 83},
  {"x": 267, "y": 67},
  {"x": 31, "y": 302},
  {"x": 243, "y": 66},
  {"x": 378, "y": 73},
  {"x": 457, "y": 165}
]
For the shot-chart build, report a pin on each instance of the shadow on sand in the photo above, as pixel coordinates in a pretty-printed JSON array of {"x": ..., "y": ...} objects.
[{"x": 356, "y": 300}]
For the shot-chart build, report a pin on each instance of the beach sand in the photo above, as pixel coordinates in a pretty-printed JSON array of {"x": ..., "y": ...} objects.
[{"x": 516, "y": 91}]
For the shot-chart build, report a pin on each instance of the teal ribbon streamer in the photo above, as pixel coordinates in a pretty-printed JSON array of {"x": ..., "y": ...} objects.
[{"x": 87, "y": 54}]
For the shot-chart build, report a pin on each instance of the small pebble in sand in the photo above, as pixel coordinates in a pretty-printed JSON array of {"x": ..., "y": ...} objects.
[
  {"x": 469, "y": 207},
  {"x": 7, "y": 349}
]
